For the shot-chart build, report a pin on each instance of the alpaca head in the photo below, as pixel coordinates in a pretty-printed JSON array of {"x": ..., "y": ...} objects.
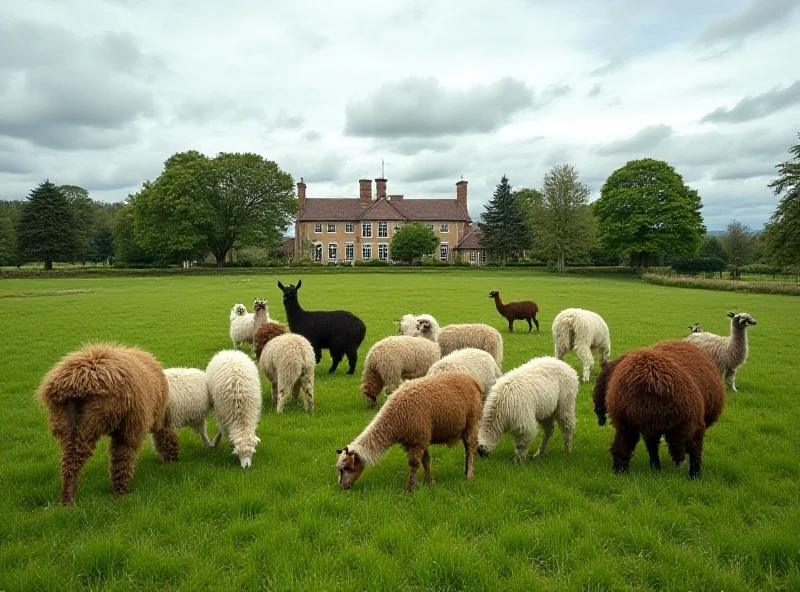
[
  {"x": 245, "y": 451},
  {"x": 290, "y": 291},
  {"x": 239, "y": 309},
  {"x": 695, "y": 329},
  {"x": 741, "y": 320},
  {"x": 494, "y": 293},
  {"x": 259, "y": 305},
  {"x": 350, "y": 466},
  {"x": 424, "y": 327}
]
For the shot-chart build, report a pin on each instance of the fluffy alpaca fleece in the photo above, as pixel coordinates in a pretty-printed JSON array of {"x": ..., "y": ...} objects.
[
  {"x": 584, "y": 331},
  {"x": 541, "y": 392},
  {"x": 410, "y": 325},
  {"x": 454, "y": 337},
  {"x": 264, "y": 334},
  {"x": 339, "y": 331},
  {"x": 671, "y": 389},
  {"x": 288, "y": 363},
  {"x": 728, "y": 353},
  {"x": 473, "y": 362},
  {"x": 189, "y": 400},
  {"x": 241, "y": 330},
  {"x": 393, "y": 359},
  {"x": 235, "y": 390},
  {"x": 107, "y": 389},
  {"x": 238, "y": 310},
  {"x": 440, "y": 409},
  {"x": 260, "y": 316}
]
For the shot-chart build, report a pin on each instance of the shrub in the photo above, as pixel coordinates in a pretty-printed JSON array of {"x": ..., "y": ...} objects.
[
  {"x": 724, "y": 285},
  {"x": 698, "y": 265}
]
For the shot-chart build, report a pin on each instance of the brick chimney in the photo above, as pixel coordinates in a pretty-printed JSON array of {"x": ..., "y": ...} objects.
[
  {"x": 365, "y": 191},
  {"x": 395, "y": 198},
  {"x": 301, "y": 193},
  {"x": 461, "y": 194},
  {"x": 380, "y": 188}
]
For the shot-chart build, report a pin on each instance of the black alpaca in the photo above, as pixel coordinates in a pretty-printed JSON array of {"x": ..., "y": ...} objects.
[{"x": 339, "y": 331}]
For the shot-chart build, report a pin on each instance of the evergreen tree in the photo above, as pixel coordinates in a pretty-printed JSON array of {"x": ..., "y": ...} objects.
[
  {"x": 46, "y": 229},
  {"x": 782, "y": 236},
  {"x": 504, "y": 231}
]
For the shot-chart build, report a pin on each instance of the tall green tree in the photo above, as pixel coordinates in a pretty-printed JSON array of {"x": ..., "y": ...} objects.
[
  {"x": 559, "y": 216},
  {"x": 214, "y": 204},
  {"x": 738, "y": 245},
  {"x": 83, "y": 212},
  {"x": 8, "y": 242},
  {"x": 46, "y": 228},
  {"x": 712, "y": 247},
  {"x": 645, "y": 208},
  {"x": 126, "y": 250},
  {"x": 413, "y": 240},
  {"x": 504, "y": 231},
  {"x": 782, "y": 234}
]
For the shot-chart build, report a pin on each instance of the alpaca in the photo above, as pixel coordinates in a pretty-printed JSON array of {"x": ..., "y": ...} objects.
[
  {"x": 393, "y": 359},
  {"x": 455, "y": 337},
  {"x": 241, "y": 329},
  {"x": 339, "y": 331},
  {"x": 695, "y": 329},
  {"x": 472, "y": 362},
  {"x": 107, "y": 389},
  {"x": 288, "y": 363},
  {"x": 264, "y": 334},
  {"x": 238, "y": 310},
  {"x": 440, "y": 409},
  {"x": 189, "y": 401},
  {"x": 541, "y": 392},
  {"x": 260, "y": 316},
  {"x": 728, "y": 353},
  {"x": 584, "y": 331},
  {"x": 235, "y": 389},
  {"x": 524, "y": 311},
  {"x": 671, "y": 389}
]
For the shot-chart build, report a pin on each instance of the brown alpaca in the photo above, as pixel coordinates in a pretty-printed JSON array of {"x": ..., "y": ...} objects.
[
  {"x": 264, "y": 334},
  {"x": 107, "y": 389},
  {"x": 671, "y": 389},
  {"x": 440, "y": 409},
  {"x": 524, "y": 310}
]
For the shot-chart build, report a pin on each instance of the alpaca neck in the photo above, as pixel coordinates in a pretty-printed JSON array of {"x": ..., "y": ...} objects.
[
  {"x": 739, "y": 339},
  {"x": 376, "y": 439},
  {"x": 293, "y": 311},
  {"x": 491, "y": 427},
  {"x": 501, "y": 308}
]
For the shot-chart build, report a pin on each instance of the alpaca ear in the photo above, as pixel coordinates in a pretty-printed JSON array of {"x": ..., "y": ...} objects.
[
  {"x": 731, "y": 315},
  {"x": 299, "y": 282},
  {"x": 280, "y": 285},
  {"x": 340, "y": 450}
]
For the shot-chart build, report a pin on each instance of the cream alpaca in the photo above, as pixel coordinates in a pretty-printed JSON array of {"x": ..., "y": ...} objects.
[
  {"x": 728, "y": 353},
  {"x": 454, "y": 337},
  {"x": 393, "y": 359},
  {"x": 189, "y": 400},
  {"x": 235, "y": 390},
  {"x": 473, "y": 362},
  {"x": 288, "y": 363},
  {"x": 260, "y": 317},
  {"x": 241, "y": 329},
  {"x": 538, "y": 393},
  {"x": 583, "y": 331}
]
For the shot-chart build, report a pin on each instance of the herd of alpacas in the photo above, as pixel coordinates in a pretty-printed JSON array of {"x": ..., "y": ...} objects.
[{"x": 443, "y": 385}]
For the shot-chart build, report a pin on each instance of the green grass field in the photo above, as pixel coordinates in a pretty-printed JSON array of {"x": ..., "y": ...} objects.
[{"x": 555, "y": 523}]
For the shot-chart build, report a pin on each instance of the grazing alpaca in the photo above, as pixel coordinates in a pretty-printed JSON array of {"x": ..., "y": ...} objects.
[
  {"x": 189, "y": 401},
  {"x": 440, "y": 409},
  {"x": 107, "y": 389},
  {"x": 670, "y": 389},
  {"x": 288, "y": 363},
  {"x": 584, "y": 331},
  {"x": 728, "y": 353},
  {"x": 473, "y": 362},
  {"x": 339, "y": 331},
  {"x": 524, "y": 311},
  {"x": 265, "y": 333},
  {"x": 393, "y": 359},
  {"x": 541, "y": 392},
  {"x": 455, "y": 337}
]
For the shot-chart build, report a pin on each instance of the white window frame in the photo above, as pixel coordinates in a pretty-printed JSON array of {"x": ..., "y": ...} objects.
[
  {"x": 331, "y": 226},
  {"x": 383, "y": 230},
  {"x": 350, "y": 228},
  {"x": 335, "y": 251},
  {"x": 430, "y": 227},
  {"x": 482, "y": 256},
  {"x": 366, "y": 230},
  {"x": 364, "y": 248},
  {"x": 317, "y": 227},
  {"x": 349, "y": 251},
  {"x": 444, "y": 228},
  {"x": 386, "y": 245},
  {"x": 473, "y": 256},
  {"x": 446, "y": 248},
  {"x": 318, "y": 248}
]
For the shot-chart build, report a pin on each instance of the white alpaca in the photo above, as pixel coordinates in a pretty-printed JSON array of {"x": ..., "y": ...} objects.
[
  {"x": 189, "y": 400},
  {"x": 728, "y": 353},
  {"x": 241, "y": 330},
  {"x": 235, "y": 389},
  {"x": 582, "y": 330},
  {"x": 454, "y": 337},
  {"x": 260, "y": 317},
  {"x": 288, "y": 363},
  {"x": 473, "y": 362},
  {"x": 541, "y": 392}
]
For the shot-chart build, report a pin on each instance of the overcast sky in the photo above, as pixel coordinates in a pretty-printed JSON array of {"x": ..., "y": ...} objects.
[{"x": 99, "y": 93}]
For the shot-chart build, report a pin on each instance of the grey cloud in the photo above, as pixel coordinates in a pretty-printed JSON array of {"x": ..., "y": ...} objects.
[
  {"x": 736, "y": 171},
  {"x": 612, "y": 66},
  {"x": 289, "y": 122},
  {"x": 217, "y": 108},
  {"x": 412, "y": 146},
  {"x": 556, "y": 91},
  {"x": 422, "y": 107},
  {"x": 595, "y": 90},
  {"x": 762, "y": 105},
  {"x": 323, "y": 166},
  {"x": 312, "y": 136},
  {"x": 645, "y": 139},
  {"x": 759, "y": 15}
]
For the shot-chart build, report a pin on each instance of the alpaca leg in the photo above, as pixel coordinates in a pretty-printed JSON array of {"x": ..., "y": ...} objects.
[
  {"x": 337, "y": 357},
  {"x": 201, "y": 428},
  {"x": 511, "y": 326},
  {"x": 695, "y": 449},
  {"x": 283, "y": 393},
  {"x": 530, "y": 326},
  {"x": 652, "y": 442},
  {"x": 414, "y": 460},
  {"x": 352, "y": 359},
  {"x": 522, "y": 442},
  {"x": 622, "y": 447},
  {"x": 307, "y": 382},
  {"x": 548, "y": 426},
  {"x": 535, "y": 322},
  {"x": 585, "y": 354},
  {"x": 730, "y": 378},
  {"x": 74, "y": 453},
  {"x": 166, "y": 444},
  {"x": 676, "y": 443},
  {"x": 470, "y": 440},
  {"x": 296, "y": 391},
  {"x": 318, "y": 354},
  {"x": 218, "y": 438},
  {"x": 426, "y": 464},
  {"x": 561, "y": 351},
  {"x": 123, "y": 450},
  {"x": 566, "y": 422},
  {"x": 274, "y": 394}
]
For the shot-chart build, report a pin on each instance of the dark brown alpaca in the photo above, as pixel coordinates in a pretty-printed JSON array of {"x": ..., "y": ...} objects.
[
  {"x": 524, "y": 310},
  {"x": 107, "y": 389},
  {"x": 265, "y": 334},
  {"x": 666, "y": 389}
]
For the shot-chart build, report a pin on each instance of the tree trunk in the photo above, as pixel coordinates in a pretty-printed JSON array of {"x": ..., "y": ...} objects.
[
  {"x": 221, "y": 258},
  {"x": 48, "y": 264},
  {"x": 561, "y": 264},
  {"x": 645, "y": 259}
]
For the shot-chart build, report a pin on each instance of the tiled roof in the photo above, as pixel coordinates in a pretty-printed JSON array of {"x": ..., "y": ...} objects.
[
  {"x": 350, "y": 208},
  {"x": 472, "y": 239}
]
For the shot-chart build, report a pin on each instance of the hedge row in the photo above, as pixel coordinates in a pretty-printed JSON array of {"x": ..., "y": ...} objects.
[{"x": 724, "y": 285}]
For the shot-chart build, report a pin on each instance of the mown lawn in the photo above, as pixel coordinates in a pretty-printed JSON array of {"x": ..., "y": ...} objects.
[{"x": 556, "y": 523}]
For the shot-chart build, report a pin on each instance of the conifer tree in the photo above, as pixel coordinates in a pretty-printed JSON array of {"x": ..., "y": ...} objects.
[
  {"x": 46, "y": 229},
  {"x": 504, "y": 231}
]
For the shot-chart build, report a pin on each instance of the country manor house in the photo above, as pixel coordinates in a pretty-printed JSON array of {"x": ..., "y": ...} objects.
[{"x": 347, "y": 229}]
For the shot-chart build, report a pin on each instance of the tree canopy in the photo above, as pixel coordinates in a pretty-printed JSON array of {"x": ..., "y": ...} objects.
[
  {"x": 645, "y": 208},
  {"x": 46, "y": 228},
  {"x": 782, "y": 235},
  {"x": 200, "y": 204},
  {"x": 712, "y": 247},
  {"x": 413, "y": 240},
  {"x": 504, "y": 231},
  {"x": 8, "y": 241},
  {"x": 738, "y": 245}
]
